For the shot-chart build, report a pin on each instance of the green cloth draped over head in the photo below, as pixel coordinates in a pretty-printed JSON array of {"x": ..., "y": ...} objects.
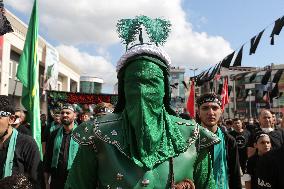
[{"x": 150, "y": 134}]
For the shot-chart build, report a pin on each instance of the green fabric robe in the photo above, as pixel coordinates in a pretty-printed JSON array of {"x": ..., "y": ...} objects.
[{"x": 103, "y": 162}]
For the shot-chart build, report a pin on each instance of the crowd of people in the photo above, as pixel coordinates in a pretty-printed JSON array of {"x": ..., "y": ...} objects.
[
  {"x": 20, "y": 158},
  {"x": 142, "y": 142}
]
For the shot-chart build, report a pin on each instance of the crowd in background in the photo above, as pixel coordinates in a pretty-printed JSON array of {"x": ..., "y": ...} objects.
[{"x": 254, "y": 146}]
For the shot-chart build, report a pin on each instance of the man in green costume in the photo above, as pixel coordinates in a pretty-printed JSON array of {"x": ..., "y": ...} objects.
[{"x": 142, "y": 144}]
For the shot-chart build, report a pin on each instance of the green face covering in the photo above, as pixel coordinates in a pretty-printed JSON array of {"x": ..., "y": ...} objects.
[{"x": 150, "y": 134}]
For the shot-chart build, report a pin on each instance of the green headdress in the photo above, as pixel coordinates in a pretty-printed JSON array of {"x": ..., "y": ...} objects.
[
  {"x": 157, "y": 32},
  {"x": 150, "y": 135}
]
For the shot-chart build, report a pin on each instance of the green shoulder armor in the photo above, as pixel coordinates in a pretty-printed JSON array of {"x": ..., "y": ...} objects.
[
  {"x": 86, "y": 132},
  {"x": 193, "y": 131}
]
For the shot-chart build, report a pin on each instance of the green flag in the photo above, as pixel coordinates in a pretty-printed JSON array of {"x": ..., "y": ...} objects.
[{"x": 28, "y": 74}]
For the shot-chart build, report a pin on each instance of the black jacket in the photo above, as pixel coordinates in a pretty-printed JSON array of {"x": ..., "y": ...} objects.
[{"x": 269, "y": 171}]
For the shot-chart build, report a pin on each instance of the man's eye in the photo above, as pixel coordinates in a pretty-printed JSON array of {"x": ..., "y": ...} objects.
[{"x": 214, "y": 108}]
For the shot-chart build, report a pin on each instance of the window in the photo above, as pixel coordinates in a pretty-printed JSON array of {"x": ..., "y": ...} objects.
[
  {"x": 59, "y": 86},
  {"x": 10, "y": 69},
  {"x": 41, "y": 81},
  {"x": 16, "y": 70}
]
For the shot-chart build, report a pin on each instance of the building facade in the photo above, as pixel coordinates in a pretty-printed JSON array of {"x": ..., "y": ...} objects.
[
  {"x": 177, "y": 89},
  {"x": 90, "y": 84},
  {"x": 11, "y": 46}
]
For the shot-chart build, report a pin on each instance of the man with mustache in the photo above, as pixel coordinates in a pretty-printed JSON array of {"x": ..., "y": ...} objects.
[
  {"x": 226, "y": 166},
  {"x": 61, "y": 150},
  {"x": 19, "y": 153}
]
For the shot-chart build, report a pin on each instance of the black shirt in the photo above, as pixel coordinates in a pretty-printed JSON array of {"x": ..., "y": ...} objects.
[
  {"x": 24, "y": 130},
  {"x": 269, "y": 171},
  {"x": 59, "y": 174},
  {"x": 251, "y": 170},
  {"x": 26, "y": 158},
  {"x": 47, "y": 133},
  {"x": 242, "y": 140}
]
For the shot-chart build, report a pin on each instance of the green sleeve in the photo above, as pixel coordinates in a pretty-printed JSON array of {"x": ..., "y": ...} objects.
[
  {"x": 83, "y": 173},
  {"x": 203, "y": 172}
]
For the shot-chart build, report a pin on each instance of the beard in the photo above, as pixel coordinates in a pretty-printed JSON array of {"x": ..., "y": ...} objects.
[{"x": 66, "y": 122}]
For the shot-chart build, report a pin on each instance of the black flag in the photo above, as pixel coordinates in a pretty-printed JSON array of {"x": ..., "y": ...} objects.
[
  {"x": 227, "y": 60},
  {"x": 214, "y": 71},
  {"x": 220, "y": 89},
  {"x": 252, "y": 77},
  {"x": 254, "y": 43},
  {"x": 201, "y": 77},
  {"x": 278, "y": 25},
  {"x": 266, "y": 77},
  {"x": 274, "y": 92},
  {"x": 238, "y": 60},
  {"x": 184, "y": 84},
  {"x": 277, "y": 76}
]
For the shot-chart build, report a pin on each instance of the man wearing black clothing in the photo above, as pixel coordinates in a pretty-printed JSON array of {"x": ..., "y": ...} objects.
[
  {"x": 61, "y": 150},
  {"x": 265, "y": 124},
  {"x": 18, "y": 152},
  {"x": 226, "y": 169},
  {"x": 242, "y": 137},
  {"x": 269, "y": 173},
  {"x": 263, "y": 145}
]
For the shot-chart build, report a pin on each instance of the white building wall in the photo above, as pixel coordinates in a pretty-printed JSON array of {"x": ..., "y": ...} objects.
[
  {"x": 68, "y": 74},
  {"x": 5, "y": 68},
  {"x": 15, "y": 41}
]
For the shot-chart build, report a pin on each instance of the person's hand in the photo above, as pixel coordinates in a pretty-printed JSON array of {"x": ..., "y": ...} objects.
[{"x": 185, "y": 184}]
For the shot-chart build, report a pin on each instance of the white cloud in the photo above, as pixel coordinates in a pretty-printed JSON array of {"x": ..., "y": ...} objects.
[
  {"x": 93, "y": 22},
  {"x": 96, "y": 66}
]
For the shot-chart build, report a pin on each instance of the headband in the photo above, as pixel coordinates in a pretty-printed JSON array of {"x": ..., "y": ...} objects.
[
  {"x": 5, "y": 114},
  {"x": 261, "y": 135},
  {"x": 209, "y": 99},
  {"x": 68, "y": 106}
]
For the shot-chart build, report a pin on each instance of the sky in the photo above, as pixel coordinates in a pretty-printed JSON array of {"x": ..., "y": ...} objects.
[{"x": 202, "y": 32}]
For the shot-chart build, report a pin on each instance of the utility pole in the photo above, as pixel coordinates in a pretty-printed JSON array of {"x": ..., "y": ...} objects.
[
  {"x": 194, "y": 69},
  {"x": 249, "y": 93}
]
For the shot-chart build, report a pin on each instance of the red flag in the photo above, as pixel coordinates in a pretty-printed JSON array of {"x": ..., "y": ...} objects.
[
  {"x": 191, "y": 100},
  {"x": 225, "y": 93}
]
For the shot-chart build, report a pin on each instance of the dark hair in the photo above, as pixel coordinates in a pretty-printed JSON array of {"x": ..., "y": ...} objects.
[
  {"x": 229, "y": 121},
  {"x": 236, "y": 119},
  {"x": 272, "y": 112},
  {"x": 259, "y": 134},
  {"x": 17, "y": 181},
  {"x": 6, "y": 104}
]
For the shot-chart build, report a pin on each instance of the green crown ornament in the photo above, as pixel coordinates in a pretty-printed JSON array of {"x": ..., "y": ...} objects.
[{"x": 157, "y": 30}]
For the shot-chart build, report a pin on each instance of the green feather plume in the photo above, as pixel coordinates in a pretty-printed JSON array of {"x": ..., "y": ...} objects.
[
  {"x": 157, "y": 29},
  {"x": 127, "y": 30}
]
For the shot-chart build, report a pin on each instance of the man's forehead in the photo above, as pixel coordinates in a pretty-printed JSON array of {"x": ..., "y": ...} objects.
[
  {"x": 265, "y": 113},
  {"x": 67, "y": 110}
]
